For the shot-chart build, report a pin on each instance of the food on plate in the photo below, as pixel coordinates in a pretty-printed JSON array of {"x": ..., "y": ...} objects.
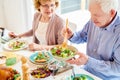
[
  {"x": 9, "y": 58},
  {"x": 16, "y": 44},
  {"x": 81, "y": 77},
  {"x": 41, "y": 57},
  {"x": 63, "y": 52},
  {"x": 11, "y": 61},
  {"x": 2, "y": 59},
  {"x": 41, "y": 72},
  {"x": 9, "y": 74}
]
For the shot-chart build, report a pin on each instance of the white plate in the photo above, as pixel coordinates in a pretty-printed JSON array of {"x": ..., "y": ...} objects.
[{"x": 6, "y": 45}]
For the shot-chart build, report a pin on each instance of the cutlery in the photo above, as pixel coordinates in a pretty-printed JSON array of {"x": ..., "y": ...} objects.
[
  {"x": 73, "y": 73},
  {"x": 64, "y": 44}
]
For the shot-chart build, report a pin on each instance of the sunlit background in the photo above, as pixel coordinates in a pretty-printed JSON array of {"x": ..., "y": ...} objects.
[{"x": 17, "y": 15}]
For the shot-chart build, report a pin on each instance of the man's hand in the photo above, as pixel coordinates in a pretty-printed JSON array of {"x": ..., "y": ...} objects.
[
  {"x": 68, "y": 31},
  {"x": 80, "y": 60}
]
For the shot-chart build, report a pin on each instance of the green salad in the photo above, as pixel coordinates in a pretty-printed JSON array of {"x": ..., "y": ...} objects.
[
  {"x": 62, "y": 52},
  {"x": 41, "y": 57},
  {"x": 83, "y": 77},
  {"x": 16, "y": 44}
]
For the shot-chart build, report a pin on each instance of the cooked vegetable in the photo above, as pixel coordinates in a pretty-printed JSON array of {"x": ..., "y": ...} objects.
[
  {"x": 41, "y": 72},
  {"x": 16, "y": 76}
]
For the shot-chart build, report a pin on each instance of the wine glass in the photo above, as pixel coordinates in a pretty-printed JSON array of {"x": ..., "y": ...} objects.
[{"x": 53, "y": 67}]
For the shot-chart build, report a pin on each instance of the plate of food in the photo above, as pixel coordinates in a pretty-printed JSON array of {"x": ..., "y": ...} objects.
[
  {"x": 9, "y": 74},
  {"x": 40, "y": 73},
  {"x": 80, "y": 77},
  {"x": 62, "y": 53},
  {"x": 16, "y": 44},
  {"x": 9, "y": 58},
  {"x": 40, "y": 57}
]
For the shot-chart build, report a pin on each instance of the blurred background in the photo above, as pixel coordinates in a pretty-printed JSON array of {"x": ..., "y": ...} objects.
[{"x": 17, "y": 15}]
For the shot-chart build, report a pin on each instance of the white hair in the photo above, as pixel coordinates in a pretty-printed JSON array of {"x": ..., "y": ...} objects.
[{"x": 106, "y": 5}]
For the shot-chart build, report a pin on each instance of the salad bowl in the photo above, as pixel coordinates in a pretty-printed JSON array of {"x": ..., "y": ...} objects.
[{"x": 62, "y": 53}]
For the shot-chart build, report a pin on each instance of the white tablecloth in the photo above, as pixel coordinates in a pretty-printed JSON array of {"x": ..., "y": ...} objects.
[{"x": 61, "y": 76}]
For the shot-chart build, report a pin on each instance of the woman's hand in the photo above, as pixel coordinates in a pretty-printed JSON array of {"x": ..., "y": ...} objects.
[
  {"x": 35, "y": 47},
  {"x": 81, "y": 60},
  {"x": 12, "y": 34},
  {"x": 68, "y": 31}
]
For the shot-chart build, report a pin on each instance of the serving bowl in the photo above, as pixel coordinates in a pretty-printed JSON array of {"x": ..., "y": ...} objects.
[
  {"x": 41, "y": 73},
  {"x": 62, "y": 53}
]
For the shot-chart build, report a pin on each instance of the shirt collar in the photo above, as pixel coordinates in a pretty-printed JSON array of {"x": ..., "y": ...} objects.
[{"x": 112, "y": 25}]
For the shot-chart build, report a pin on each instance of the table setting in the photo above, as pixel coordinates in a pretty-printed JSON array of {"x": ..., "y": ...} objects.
[{"x": 41, "y": 65}]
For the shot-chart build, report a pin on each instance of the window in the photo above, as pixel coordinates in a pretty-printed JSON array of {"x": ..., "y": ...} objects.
[{"x": 67, "y": 6}]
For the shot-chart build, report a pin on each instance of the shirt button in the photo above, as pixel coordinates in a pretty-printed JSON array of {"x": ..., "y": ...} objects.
[{"x": 94, "y": 50}]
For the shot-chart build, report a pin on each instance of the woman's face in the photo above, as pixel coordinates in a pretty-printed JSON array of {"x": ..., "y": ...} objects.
[
  {"x": 47, "y": 8},
  {"x": 100, "y": 18}
]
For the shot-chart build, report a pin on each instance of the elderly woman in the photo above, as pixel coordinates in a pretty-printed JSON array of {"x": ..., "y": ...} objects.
[
  {"x": 46, "y": 26},
  {"x": 102, "y": 34}
]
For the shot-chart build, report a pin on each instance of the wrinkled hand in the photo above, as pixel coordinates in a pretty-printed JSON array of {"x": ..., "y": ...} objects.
[
  {"x": 68, "y": 31},
  {"x": 81, "y": 60}
]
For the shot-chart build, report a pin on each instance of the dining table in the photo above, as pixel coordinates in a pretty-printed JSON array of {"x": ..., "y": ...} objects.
[{"x": 62, "y": 76}]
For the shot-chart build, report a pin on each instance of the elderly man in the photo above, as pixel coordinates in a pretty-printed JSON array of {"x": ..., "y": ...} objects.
[{"x": 102, "y": 34}]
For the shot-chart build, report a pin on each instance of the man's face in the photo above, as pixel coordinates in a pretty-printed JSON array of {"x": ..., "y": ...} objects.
[{"x": 100, "y": 18}]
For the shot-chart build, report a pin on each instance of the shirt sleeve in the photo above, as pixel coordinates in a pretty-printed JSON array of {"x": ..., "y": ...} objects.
[{"x": 80, "y": 36}]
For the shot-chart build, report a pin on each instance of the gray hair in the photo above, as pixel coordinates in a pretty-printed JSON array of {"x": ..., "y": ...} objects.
[{"x": 106, "y": 5}]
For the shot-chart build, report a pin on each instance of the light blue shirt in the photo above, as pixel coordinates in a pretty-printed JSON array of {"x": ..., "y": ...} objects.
[{"x": 103, "y": 48}]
